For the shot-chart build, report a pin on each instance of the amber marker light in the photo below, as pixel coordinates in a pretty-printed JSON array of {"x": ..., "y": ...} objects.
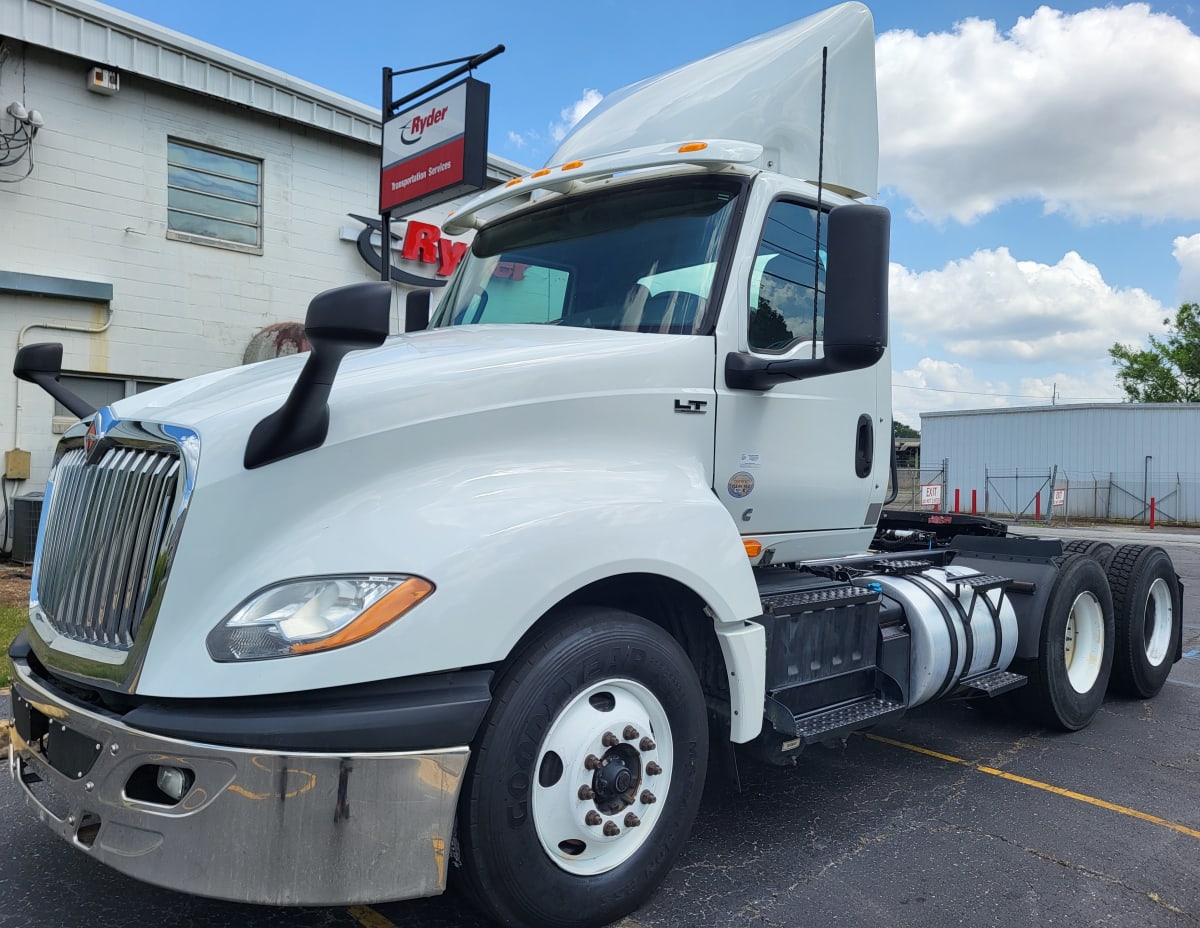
[
  {"x": 571, "y": 166},
  {"x": 542, "y": 173},
  {"x": 379, "y": 616},
  {"x": 692, "y": 146},
  {"x": 753, "y": 548},
  {"x": 513, "y": 182}
]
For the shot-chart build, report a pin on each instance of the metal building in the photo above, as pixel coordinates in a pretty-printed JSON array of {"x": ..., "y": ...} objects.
[{"x": 1105, "y": 460}]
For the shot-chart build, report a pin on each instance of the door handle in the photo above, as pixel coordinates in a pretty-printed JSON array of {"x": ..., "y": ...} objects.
[{"x": 864, "y": 446}]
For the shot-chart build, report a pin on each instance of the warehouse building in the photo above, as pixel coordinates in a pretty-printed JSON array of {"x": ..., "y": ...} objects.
[
  {"x": 1107, "y": 460},
  {"x": 168, "y": 208}
]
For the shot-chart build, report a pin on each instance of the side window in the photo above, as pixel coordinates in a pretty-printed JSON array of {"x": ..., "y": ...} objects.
[
  {"x": 787, "y": 272},
  {"x": 517, "y": 292}
]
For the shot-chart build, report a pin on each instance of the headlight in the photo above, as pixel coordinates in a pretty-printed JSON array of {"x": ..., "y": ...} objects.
[{"x": 313, "y": 614}]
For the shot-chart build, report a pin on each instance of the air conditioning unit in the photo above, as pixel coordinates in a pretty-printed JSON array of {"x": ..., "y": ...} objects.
[{"x": 24, "y": 517}]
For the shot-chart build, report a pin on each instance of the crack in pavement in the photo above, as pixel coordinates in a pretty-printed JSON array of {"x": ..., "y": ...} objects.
[{"x": 1150, "y": 895}]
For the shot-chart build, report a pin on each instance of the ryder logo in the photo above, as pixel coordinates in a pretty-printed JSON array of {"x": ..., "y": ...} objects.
[{"x": 411, "y": 131}]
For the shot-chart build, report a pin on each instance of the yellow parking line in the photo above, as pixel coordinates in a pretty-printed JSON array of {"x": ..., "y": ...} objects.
[
  {"x": 368, "y": 917},
  {"x": 1037, "y": 784}
]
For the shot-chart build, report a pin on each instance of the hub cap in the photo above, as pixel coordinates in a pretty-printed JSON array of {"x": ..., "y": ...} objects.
[
  {"x": 1083, "y": 646},
  {"x": 603, "y": 773}
]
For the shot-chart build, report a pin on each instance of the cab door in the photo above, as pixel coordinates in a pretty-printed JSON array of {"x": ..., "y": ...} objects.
[{"x": 807, "y": 457}]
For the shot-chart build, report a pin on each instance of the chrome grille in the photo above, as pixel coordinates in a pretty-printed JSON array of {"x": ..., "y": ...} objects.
[{"x": 103, "y": 542}]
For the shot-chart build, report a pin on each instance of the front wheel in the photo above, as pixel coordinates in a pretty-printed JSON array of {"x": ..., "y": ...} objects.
[{"x": 587, "y": 773}]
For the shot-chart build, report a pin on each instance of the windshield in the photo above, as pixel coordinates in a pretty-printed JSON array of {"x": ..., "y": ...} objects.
[{"x": 638, "y": 259}]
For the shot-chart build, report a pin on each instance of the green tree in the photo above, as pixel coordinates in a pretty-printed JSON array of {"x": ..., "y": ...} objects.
[
  {"x": 1169, "y": 370},
  {"x": 905, "y": 431}
]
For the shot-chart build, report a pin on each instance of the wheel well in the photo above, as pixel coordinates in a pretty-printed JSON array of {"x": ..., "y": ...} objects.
[{"x": 675, "y": 608}]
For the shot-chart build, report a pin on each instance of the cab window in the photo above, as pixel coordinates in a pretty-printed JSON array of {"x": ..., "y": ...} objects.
[{"x": 788, "y": 270}]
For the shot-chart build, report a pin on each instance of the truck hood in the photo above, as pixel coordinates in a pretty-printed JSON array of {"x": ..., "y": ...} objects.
[{"x": 437, "y": 373}]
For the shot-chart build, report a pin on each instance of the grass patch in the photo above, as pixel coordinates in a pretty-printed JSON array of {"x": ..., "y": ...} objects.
[{"x": 12, "y": 618}]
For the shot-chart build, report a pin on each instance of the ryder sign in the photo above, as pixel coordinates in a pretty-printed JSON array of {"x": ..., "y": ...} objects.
[{"x": 436, "y": 150}]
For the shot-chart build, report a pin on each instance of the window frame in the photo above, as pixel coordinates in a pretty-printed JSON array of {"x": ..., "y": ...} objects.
[{"x": 208, "y": 240}]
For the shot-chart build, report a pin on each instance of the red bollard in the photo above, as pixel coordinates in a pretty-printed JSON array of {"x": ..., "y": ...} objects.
[
  {"x": 1037, "y": 507},
  {"x": 1152, "y": 512},
  {"x": 956, "y": 501},
  {"x": 974, "y": 511}
]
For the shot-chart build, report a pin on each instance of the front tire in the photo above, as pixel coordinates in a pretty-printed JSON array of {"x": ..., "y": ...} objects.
[
  {"x": 1149, "y": 619},
  {"x": 587, "y": 773}
]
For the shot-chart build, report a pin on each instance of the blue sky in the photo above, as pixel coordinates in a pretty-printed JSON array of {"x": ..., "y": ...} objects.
[{"x": 1040, "y": 163}]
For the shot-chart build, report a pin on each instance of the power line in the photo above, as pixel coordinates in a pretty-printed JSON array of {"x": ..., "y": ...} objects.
[{"x": 1017, "y": 396}]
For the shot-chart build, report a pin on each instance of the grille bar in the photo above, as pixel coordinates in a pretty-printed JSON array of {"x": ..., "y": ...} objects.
[{"x": 105, "y": 530}]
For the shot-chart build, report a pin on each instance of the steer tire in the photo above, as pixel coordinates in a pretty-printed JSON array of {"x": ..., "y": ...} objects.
[
  {"x": 1149, "y": 617},
  {"x": 1075, "y": 649},
  {"x": 531, "y": 851}
]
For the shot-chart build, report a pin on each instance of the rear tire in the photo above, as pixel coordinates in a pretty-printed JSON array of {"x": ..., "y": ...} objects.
[
  {"x": 1075, "y": 650},
  {"x": 587, "y": 773},
  {"x": 1149, "y": 617},
  {"x": 1101, "y": 551}
]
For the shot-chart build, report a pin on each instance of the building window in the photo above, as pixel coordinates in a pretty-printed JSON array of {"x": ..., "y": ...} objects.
[
  {"x": 97, "y": 391},
  {"x": 213, "y": 198}
]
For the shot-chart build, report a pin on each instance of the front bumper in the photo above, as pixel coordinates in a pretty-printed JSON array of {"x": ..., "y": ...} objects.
[{"x": 274, "y": 827}]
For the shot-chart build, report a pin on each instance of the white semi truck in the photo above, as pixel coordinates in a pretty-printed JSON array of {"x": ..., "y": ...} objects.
[{"x": 479, "y": 601}]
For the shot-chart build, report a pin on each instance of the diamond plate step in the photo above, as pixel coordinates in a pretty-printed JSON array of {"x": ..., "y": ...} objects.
[
  {"x": 834, "y": 723},
  {"x": 995, "y": 683},
  {"x": 812, "y": 600}
]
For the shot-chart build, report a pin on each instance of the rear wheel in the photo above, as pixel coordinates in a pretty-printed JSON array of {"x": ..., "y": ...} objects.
[
  {"x": 587, "y": 773},
  {"x": 1101, "y": 551},
  {"x": 1075, "y": 654},
  {"x": 1149, "y": 619}
]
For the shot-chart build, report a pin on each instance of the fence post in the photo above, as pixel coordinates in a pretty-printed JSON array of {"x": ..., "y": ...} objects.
[
  {"x": 973, "y": 510},
  {"x": 956, "y": 500},
  {"x": 987, "y": 492},
  {"x": 1151, "y": 512}
]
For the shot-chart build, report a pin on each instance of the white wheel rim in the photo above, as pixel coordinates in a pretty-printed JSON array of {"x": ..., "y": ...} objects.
[
  {"x": 574, "y": 842},
  {"x": 1159, "y": 621},
  {"x": 1083, "y": 646}
]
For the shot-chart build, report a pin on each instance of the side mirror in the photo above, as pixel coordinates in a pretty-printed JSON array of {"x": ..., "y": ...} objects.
[
  {"x": 856, "y": 317},
  {"x": 338, "y": 321},
  {"x": 416, "y": 310},
  {"x": 41, "y": 363}
]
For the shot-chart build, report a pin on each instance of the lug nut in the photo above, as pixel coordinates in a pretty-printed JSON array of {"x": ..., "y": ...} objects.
[
  {"x": 631, "y": 820},
  {"x": 591, "y": 762},
  {"x": 611, "y": 830},
  {"x": 653, "y": 769},
  {"x": 648, "y": 797},
  {"x": 592, "y": 818},
  {"x": 630, "y": 733},
  {"x": 610, "y": 740},
  {"x": 646, "y": 744},
  {"x": 586, "y": 792}
]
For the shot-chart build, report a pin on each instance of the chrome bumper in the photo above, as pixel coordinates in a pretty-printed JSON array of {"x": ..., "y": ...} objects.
[{"x": 266, "y": 827}]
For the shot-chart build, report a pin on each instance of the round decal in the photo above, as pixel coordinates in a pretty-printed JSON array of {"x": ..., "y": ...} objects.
[{"x": 740, "y": 485}]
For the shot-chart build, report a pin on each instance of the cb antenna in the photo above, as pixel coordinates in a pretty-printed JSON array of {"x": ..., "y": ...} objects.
[{"x": 820, "y": 192}]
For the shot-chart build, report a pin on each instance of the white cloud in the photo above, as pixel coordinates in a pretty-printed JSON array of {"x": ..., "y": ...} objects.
[
  {"x": 993, "y": 307},
  {"x": 1096, "y": 114},
  {"x": 1187, "y": 253},
  {"x": 938, "y": 384},
  {"x": 516, "y": 139},
  {"x": 575, "y": 112}
]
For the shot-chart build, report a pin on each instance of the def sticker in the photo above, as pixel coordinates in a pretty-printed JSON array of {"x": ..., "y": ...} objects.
[{"x": 740, "y": 485}]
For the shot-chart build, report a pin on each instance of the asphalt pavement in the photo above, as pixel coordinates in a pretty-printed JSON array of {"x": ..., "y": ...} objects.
[{"x": 953, "y": 816}]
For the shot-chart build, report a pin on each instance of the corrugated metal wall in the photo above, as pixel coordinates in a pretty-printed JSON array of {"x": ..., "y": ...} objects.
[{"x": 1109, "y": 458}]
